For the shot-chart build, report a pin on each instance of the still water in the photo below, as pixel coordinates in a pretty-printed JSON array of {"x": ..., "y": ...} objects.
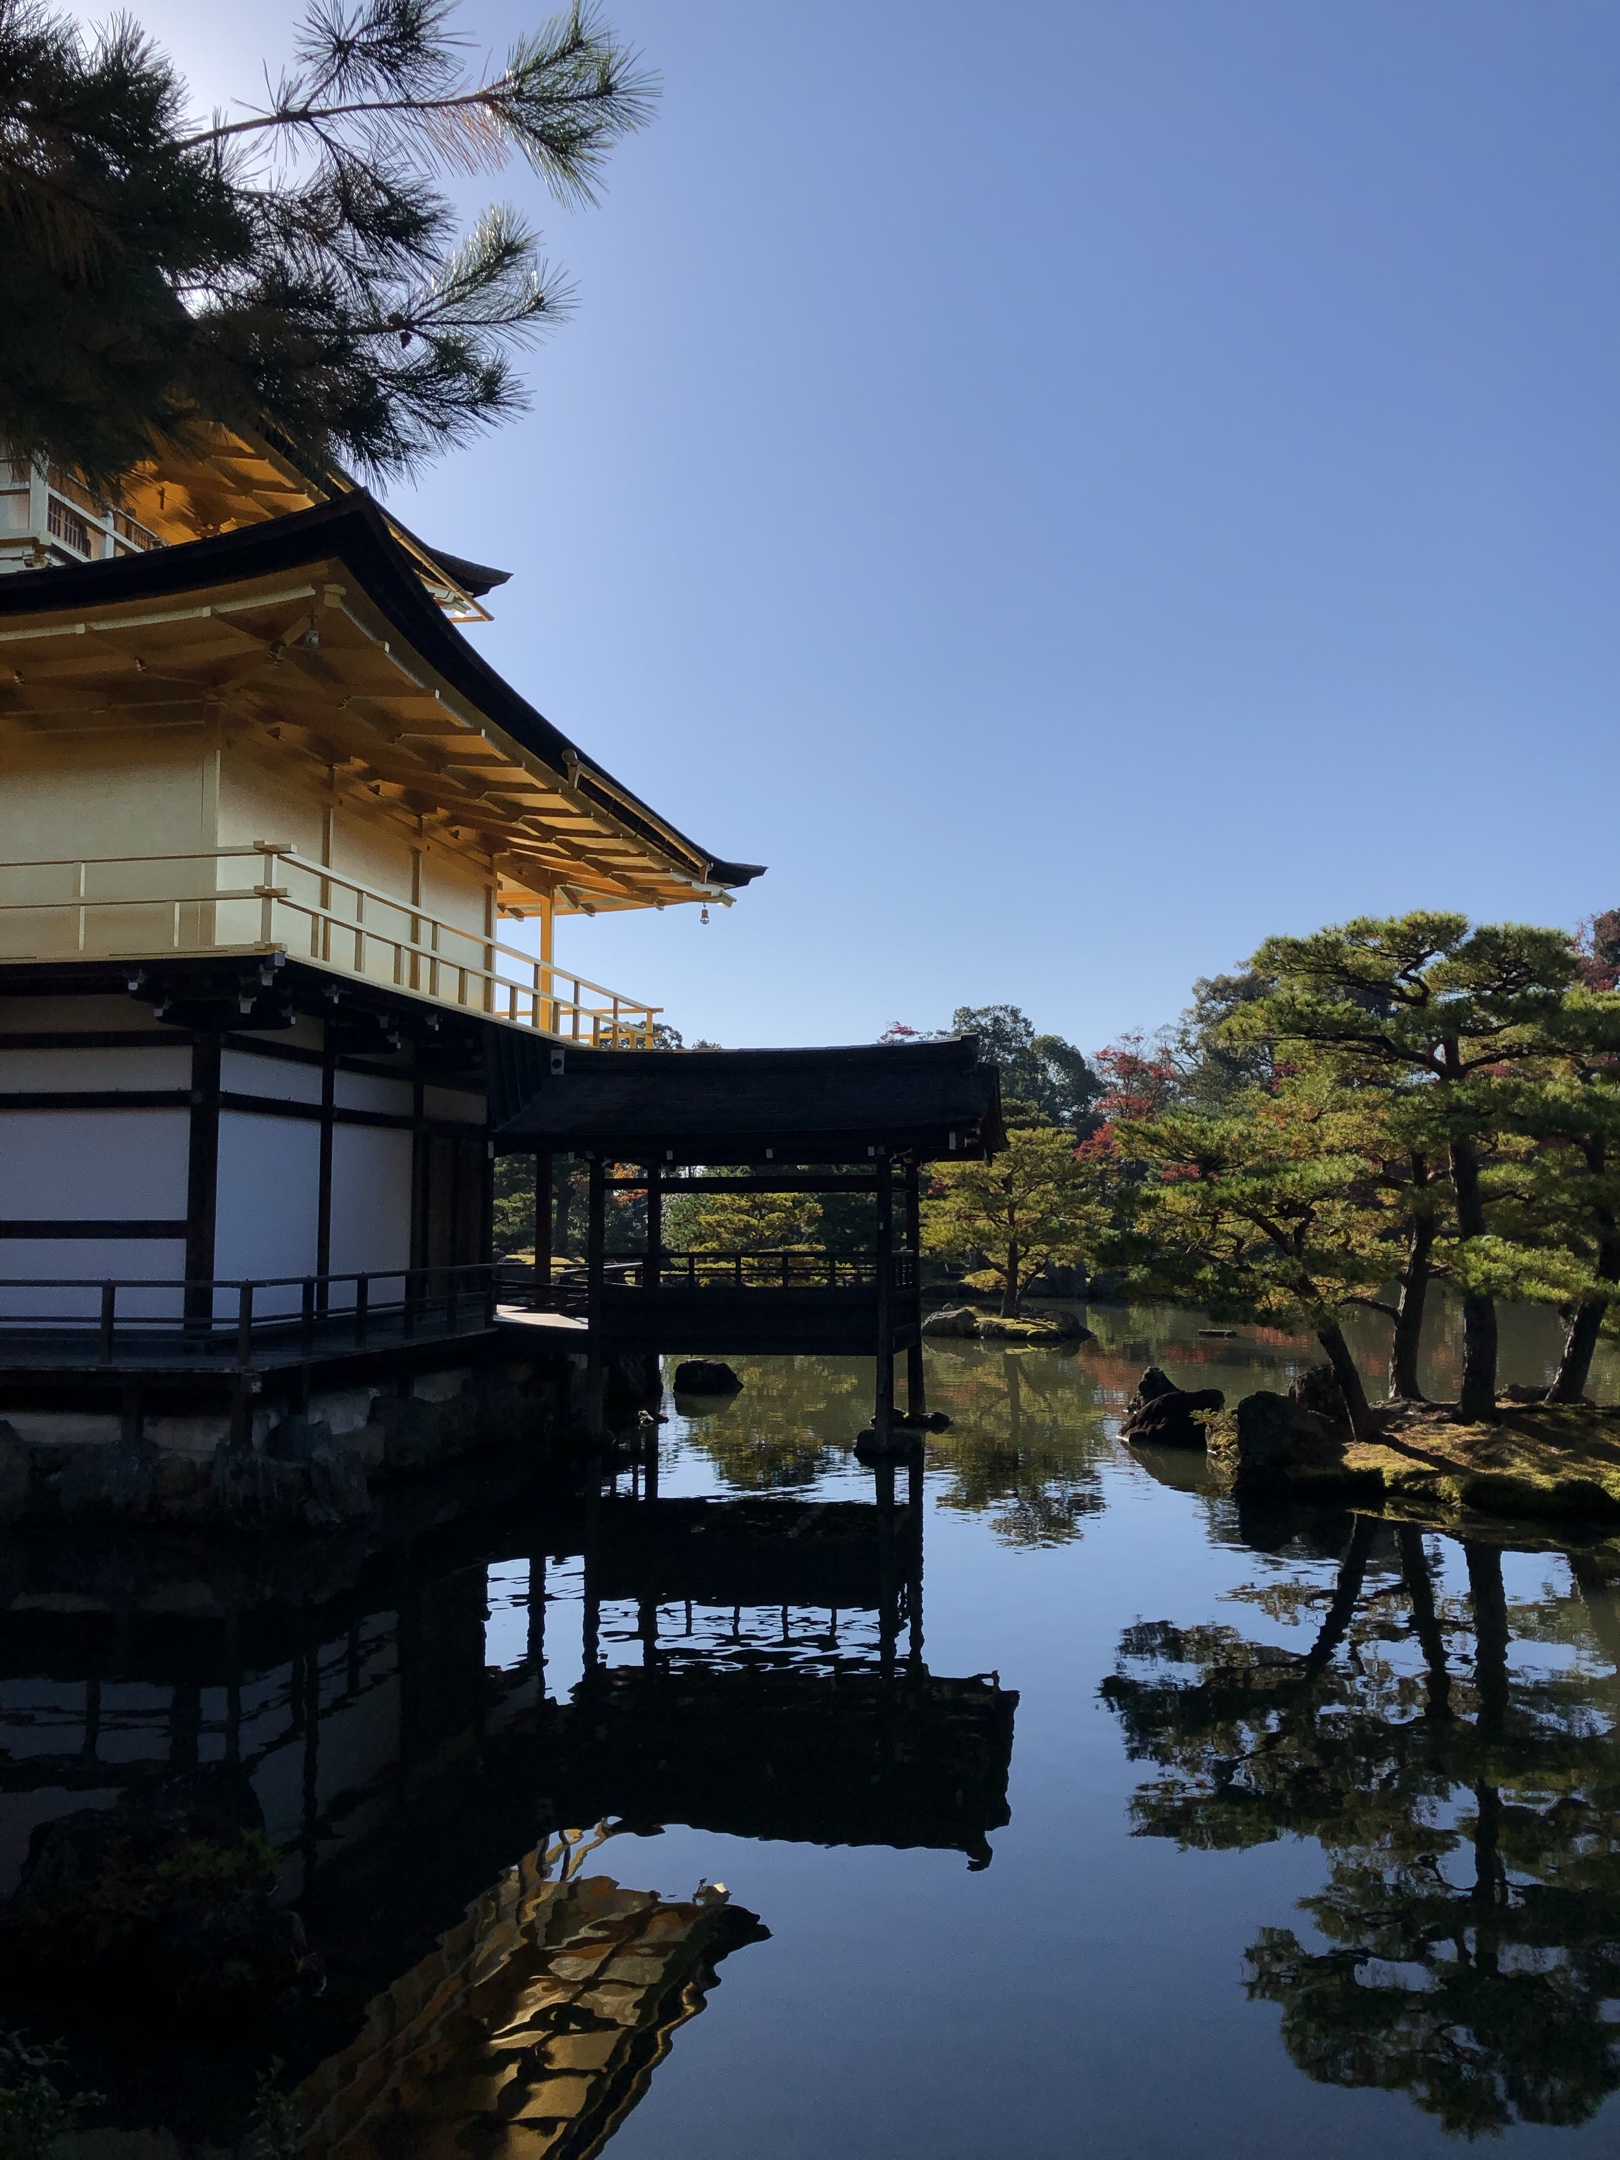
[{"x": 1112, "y": 1821}]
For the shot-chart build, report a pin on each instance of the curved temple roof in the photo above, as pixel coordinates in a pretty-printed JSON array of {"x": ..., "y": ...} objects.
[
  {"x": 348, "y": 540},
  {"x": 929, "y": 1100}
]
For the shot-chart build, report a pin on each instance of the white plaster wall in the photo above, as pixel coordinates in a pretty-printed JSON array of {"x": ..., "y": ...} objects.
[
  {"x": 370, "y": 1091},
  {"x": 91, "y": 1261},
  {"x": 72, "y": 1165},
  {"x": 241, "y": 1073},
  {"x": 371, "y": 1201},
  {"x": 453, "y": 1103},
  {"x": 269, "y": 1204},
  {"x": 70, "y": 1070}
]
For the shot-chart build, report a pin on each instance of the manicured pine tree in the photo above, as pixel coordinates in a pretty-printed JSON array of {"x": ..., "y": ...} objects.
[
  {"x": 1426, "y": 998},
  {"x": 1038, "y": 1201},
  {"x": 1269, "y": 1207}
]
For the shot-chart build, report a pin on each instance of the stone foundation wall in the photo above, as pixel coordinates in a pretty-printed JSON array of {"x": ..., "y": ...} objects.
[{"x": 300, "y": 1470}]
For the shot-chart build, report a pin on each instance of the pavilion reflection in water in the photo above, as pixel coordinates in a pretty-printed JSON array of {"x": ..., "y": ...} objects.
[{"x": 496, "y": 1990}]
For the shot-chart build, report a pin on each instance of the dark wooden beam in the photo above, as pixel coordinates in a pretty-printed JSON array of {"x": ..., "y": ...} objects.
[{"x": 146, "y": 1227}]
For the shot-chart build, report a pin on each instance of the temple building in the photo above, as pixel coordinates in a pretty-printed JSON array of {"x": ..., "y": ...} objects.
[
  {"x": 281, "y": 864},
  {"x": 282, "y": 861}
]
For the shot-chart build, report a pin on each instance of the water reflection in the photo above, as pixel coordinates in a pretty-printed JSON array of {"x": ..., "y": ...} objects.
[
  {"x": 532, "y": 2027},
  {"x": 186, "y": 1751},
  {"x": 1452, "y": 1753},
  {"x": 397, "y": 1792}
]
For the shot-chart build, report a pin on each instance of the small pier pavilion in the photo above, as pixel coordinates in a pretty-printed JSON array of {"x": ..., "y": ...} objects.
[{"x": 865, "y": 1119}]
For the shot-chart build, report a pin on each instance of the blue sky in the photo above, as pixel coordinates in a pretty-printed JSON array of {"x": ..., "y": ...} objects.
[{"x": 1073, "y": 489}]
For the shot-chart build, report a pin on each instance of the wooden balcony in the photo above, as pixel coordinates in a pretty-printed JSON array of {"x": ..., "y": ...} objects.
[
  {"x": 87, "y": 1326},
  {"x": 268, "y": 898}
]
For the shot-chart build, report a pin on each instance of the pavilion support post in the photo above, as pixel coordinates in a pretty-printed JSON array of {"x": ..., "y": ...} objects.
[
  {"x": 595, "y": 1246},
  {"x": 202, "y": 1182},
  {"x": 652, "y": 1268},
  {"x": 544, "y": 1178},
  {"x": 916, "y": 1388},
  {"x": 914, "y": 1584},
  {"x": 888, "y": 1597},
  {"x": 591, "y": 1616},
  {"x": 883, "y": 1413},
  {"x": 535, "y": 1648}
]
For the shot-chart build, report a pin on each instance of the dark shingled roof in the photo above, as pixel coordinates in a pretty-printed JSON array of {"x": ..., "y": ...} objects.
[
  {"x": 353, "y": 529},
  {"x": 931, "y": 1100}
]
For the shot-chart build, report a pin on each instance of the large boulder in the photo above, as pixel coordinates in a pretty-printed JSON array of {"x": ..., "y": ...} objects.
[
  {"x": 161, "y": 1909},
  {"x": 334, "y": 1492},
  {"x": 957, "y": 1320},
  {"x": 107, "y": 1478},
  {"x": 337, "y": 1494},
  {"x": 1067, "y": 1326},
  {"x": 1153, "y": 1382},
  {"x": 16, "y": 1469},
  {"x": 1265, "y": 1440},
  {"x": 705, "y": 1376},
  {"x": 254, "y": 1492},
  {"x": 1166, "y": 1419},
  {"x": 1318, "y": 1403},
  {"x": 412, "y": 1432}
]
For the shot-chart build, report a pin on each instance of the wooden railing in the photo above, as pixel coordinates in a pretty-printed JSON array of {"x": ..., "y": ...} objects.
[
  {"x": 794, "y": 1268},
  {"x": 311, "y": 1315},
  {"x": 309, "y": 911}
]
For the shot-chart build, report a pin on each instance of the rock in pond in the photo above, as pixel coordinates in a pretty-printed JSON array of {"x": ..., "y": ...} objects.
[
  {"x": 16, "y": 1468},
  {"x": 1265, "y": 1440},
  {"x": 1166, "y": 1416},
  {"x": 952, "y": 1320},
  {"x": 705, "y": 1376}
]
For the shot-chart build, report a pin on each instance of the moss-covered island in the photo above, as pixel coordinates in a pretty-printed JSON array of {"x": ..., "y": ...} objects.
[{"x": 1557, "y": 1461}]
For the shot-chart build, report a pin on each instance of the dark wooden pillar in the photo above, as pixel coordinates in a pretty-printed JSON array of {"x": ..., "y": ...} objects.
[
  {"x": 544, "y": 1177},
  {"x": 595, "y": 1236},
  {"x": 564, "y": 1210},
  {"x": 915, "y": 1582},
  {"x": 535, "y": 1649},
  {"x": 883, "y": 1414},
  {"x": 323, "y": 1201},
  {"x": 421, "y": 1168},
  {"x": 916, "y": 1395},
  {"x": 653, "y": 1267},
  {"x": 888, "y": 1592},
  {"x": 202, "y": 1179}
]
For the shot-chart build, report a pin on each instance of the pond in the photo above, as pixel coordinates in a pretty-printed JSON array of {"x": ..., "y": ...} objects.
[{"x": 1104, "y": 1817}]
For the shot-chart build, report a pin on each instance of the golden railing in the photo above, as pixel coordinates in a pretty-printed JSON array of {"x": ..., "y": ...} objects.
[{"x": 182, "y": 904}]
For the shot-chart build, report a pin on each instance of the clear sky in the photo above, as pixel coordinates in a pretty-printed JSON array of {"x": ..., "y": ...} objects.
[{"x": 1072, "y": 488}]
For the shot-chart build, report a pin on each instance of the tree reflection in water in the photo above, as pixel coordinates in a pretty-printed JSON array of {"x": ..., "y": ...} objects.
[
  {"x": 1015, "y": 1446},
  {"x": 791, "y": 1424},
  {"x": 1464, "y": 1786}
]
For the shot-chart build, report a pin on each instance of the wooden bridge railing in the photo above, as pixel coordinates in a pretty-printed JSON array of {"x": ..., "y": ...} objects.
[
  {"x": 232, "y": 1320},
  {"x": 794, "y": 1268}
]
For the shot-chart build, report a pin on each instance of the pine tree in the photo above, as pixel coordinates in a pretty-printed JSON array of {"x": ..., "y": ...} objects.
[
  {"x": 1426, "y": 999},
  {"x": 1270, "y": 1207},
  {"x": 1038, "y": 1201},
  {"x": 292, "y": 270}
]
